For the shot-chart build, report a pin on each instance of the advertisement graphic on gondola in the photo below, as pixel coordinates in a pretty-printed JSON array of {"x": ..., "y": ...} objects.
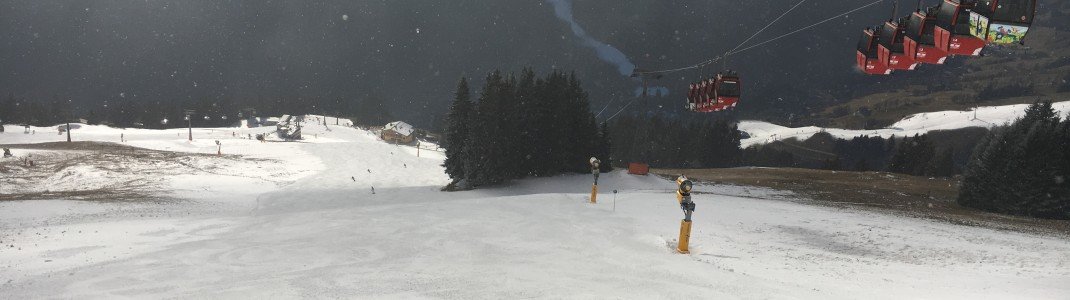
[
  {"x": 1006, "y": 33},
  {"x": 978, "y": 25},
  {"x": 996, "y": 33}
]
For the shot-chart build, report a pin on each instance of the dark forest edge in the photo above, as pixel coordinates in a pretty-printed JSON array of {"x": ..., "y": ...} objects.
[
  {"x": 544, "y": 127},
  {"x": 521, "y": 126}
]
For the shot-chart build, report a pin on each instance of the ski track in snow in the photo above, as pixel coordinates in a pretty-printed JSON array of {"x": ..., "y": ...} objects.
[{"x": 323, "y": 234}]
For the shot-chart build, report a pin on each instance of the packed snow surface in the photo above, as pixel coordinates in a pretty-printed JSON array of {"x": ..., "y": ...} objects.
[
  {"x": 322, "y": 233},
  {"x": 989, "y": 116}
]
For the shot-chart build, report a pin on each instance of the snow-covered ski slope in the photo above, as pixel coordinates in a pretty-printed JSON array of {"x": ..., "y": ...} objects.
[
  {"x": 325, "y": 235},
  {"x": 988, "y": 116}
]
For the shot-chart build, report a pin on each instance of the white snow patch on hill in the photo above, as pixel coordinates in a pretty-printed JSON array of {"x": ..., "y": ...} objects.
[{"x": 989, "y": 116}]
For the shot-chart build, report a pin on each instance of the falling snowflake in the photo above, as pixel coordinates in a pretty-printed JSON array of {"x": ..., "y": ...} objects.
[
  {"x": 417, "y": 30},
  {"x": 345, "y": 17}
]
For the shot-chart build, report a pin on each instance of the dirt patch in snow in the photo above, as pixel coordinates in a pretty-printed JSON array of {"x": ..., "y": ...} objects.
[
  {"x": 95, "y": 171},
  {"x": 931, "y": 198}
]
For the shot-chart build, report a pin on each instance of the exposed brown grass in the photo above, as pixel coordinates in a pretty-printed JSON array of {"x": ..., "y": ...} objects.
[
  {"x": 930, "y": 198},
  {"x": 112, "y": 157}
]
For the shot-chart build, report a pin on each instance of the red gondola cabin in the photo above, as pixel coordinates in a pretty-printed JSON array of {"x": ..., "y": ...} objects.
[
  {"x": 716, "y": 94},
  {"x": 866, "y": 56},
  {"x": 729, "y": 89},
  {"x": 953, "y": 29},
  {"x": 920, "y": 39},
  {"x": 1002, "y": 21},
  {"x": 890, "y": 49}
]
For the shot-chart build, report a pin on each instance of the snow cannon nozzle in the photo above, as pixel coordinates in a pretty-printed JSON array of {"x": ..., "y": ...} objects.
[{"x": 686, "y": 186}]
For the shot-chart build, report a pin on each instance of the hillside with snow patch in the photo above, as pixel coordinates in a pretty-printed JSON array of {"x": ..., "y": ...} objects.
[{"x": 987, "y": 117}]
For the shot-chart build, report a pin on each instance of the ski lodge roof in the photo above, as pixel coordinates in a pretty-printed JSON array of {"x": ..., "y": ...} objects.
[{"x": 400, "y": 127}]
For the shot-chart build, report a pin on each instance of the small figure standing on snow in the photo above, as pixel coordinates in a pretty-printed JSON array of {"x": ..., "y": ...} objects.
[
  {"x": 369, "y": 171},
  {"x": 373, "y": 190},
  {"x": 122, "y": 138},
  {"x": 354, "y": 178}
]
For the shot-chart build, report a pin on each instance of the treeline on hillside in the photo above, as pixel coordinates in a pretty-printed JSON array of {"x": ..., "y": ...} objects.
[
  {"x": 716, "y": 144},
  {"x": 521, "y": 126},
  {"x": 1065, "y": 86},
  {"x": 1022, "y": 169},
  {"x": 675, "y": 144},
  {"x": 917, "y": 155},
  {"x": 150, "y": 114}
]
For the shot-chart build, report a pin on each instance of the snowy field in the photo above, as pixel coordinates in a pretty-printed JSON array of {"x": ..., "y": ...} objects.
[
  {"x": 988, "y": 116},
  {"x": 316, "y": 230}
]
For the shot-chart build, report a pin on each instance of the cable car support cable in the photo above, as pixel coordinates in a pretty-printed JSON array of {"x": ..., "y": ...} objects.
[
  {"x": 710, "y": 61},
  {"x": 718, "y": 58},
  {"x": 736, "y": 51},
  {"x": 766, "y": 27}
]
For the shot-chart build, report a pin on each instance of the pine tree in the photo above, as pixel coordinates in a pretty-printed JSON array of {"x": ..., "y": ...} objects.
[
  {"x": 924, "y": 152},
  {"x": 511, "y": 144},
  {"x": 912, "y": 156},
  {"x": 8, "y": 110},
  {"x": 900, "y": 162},
  {"x": 523, "y": 127},
  {"x": 1021, "y": 169},
  {"x": 528, "y": 122},
  {"x": 862, "y": 165},
  {"x": 490, "y": 154},
  {"x": 943, "y": 164},
  {"x": 457, "y": 131},
  {"x": 605, "y": 149}
]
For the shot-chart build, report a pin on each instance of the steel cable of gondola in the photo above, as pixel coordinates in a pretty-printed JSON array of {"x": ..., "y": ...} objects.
[
  {"x": 718, "y": 58},
  {"x": 703, "y": 96},
  {"x": 604, "y": 108},
  {"x": 764, "y": 28},
  {"x": 808, "y": 27}
]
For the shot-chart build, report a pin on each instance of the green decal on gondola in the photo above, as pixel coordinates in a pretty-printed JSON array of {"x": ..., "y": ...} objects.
[{"x": 1006, "y": 33}]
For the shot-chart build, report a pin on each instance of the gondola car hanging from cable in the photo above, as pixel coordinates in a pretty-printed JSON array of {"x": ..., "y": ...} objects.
[
  {"x": 1002, "y": 21},
  {"x": 953, "y": 29},
  {"x": 867, "y": 56},
  {"x": 920, "y": 40},
  {"x": 715, "y": 94},
  {"x": 890, "y": 50}
]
